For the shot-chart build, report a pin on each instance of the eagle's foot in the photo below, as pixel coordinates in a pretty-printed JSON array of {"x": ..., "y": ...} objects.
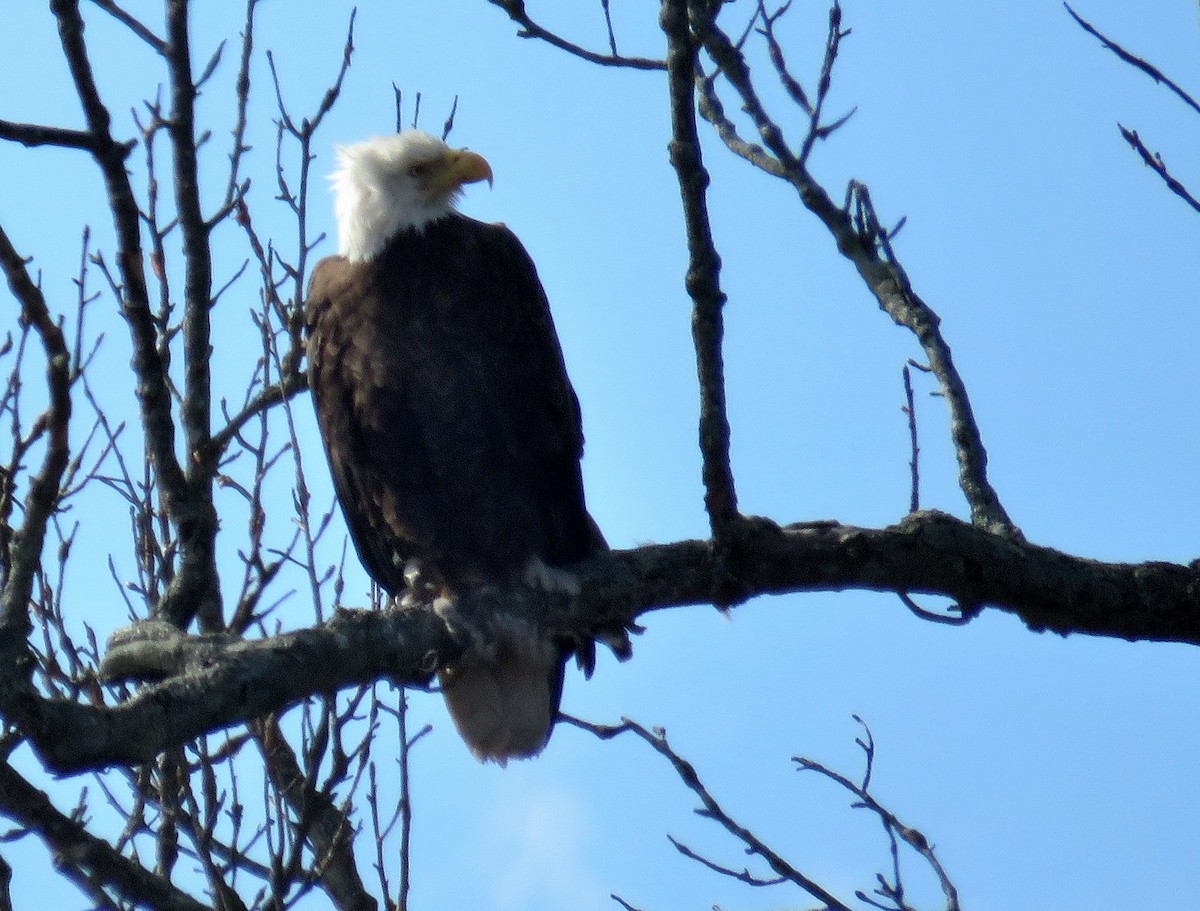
[{"x": 421, "y": 585}]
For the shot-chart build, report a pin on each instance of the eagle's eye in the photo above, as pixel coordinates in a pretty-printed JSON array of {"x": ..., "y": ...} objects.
[{"x": 417, "y": 171}]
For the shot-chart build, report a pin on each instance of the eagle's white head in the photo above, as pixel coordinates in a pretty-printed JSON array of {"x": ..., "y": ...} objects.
[{"x": 391, "y": 183}]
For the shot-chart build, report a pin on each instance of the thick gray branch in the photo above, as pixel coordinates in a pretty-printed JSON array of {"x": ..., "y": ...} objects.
[{"x": 227, "y": 682}]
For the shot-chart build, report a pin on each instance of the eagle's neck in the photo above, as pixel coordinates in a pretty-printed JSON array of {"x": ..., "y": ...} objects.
[{"x": 370, "y": 213}]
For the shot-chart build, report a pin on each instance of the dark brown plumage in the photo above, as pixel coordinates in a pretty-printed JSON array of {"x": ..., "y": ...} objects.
[
  {"x": 452, "y": 430},
  {"x": 454, "y": 439}
]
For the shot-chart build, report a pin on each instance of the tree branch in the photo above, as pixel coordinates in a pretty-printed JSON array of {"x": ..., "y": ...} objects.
[
  {"x": 330, "y": 831},
  {"x": 194, "y": 590},
  {"x": 530, "y": 29},
  {"x": 860, "y": 239},
  {"x": 897, "y": 831},
  {"x": 1136, "y": 62},
  {"x": 711, "y": 809},
  {"x": 134, "y": 24},
  {"x": 153, "y": 388},
  {"x": 24, "y": 559},
  {"x": 32, "y": 135},
  {"x": 89, "y": 861},
  {"x": 222, "y": 680},
  {"x": 267, "y": 398},
  {"x": 703, "y": 274},
  {"x": 1154, "y": 161}
]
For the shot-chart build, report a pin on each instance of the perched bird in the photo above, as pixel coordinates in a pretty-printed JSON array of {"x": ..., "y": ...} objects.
[{"x": 452, "y": 431}]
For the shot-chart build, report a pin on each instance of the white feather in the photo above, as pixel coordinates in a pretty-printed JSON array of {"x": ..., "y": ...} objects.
[{"x": 377, "y": 196}]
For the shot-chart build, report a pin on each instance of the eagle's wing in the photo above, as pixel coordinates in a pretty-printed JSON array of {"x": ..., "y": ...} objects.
[
  {"x": 361, "y": 412},
  {"x": 541, "y": 409}
]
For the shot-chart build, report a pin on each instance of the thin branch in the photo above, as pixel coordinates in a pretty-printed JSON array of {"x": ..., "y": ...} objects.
[
  {"x": 90, "y": 862},
  {"x": 266, "y": 399},
  {"x": 448, "y": 124},
  {"x": 134, "y": 24},
  {"x": 916, "y": 840},
  {"x": 894, "y": 291},
  {"x": 235, "y": 189},
  {"x": 859, "y": 238},
  {"x": 153, "y": 388},
  {"x": 1154, "y": 161},
  {"x": 405, "y": 746},
  {"x": 1135, "y": 61},
  {"x": 790, "y": 83},
  {"x": 24, "y": 560},
  {"x": 816, "y": 129},
  {"x": 711, "y": 809},
  {"x": 326, "y": 825},
  {"x": 914, "y": 464},
  {"x": 962, "y": 618},
  {"x": 608, "y": 25},
  {"x": 742, "y": 876},
  {"x": 32, "y": 135},
  {"x": 530, "y": 29}
]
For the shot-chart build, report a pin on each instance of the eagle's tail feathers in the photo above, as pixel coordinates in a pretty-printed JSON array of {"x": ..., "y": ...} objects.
[{"x": 504, "y": 695}]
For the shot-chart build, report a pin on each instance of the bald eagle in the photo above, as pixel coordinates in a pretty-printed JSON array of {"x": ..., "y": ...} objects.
[{"x": 452, "y": 431}]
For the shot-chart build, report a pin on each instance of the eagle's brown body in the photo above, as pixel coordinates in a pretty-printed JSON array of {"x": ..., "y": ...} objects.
[{"x": 453, "y": 434}]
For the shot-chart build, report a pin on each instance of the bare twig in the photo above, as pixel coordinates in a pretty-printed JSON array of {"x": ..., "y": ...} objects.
[
  {"x": 36, "y": 134},
  {"x": 268, "y": 397},
  {"x": 1154, "y": 161},
  {"x": 711, "y": 809},
  {"x": 234, "y": 189},
  {"x": 914, "y": 465},
  {"x": 320, "y": 820},
  {"x": 134, "y": 24},
  {"x": 962, "y": 618},
  {"x": 530, "y": 29},
  {"x": 405, "y": 745},
  {"x": 790, "y": 83},
  {"x": 892, "y": 890},
  {"x": 742, "y": 876},
  {"x": 448, "y": 124},
  {"x": 816, "y": 129},
  {"x": 1133, "y": 60},
  {"x": 608, "y": 24},
  {"x": 624, "y": 904}
]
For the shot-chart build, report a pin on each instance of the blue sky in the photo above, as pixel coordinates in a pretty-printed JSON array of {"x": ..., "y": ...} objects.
[{"x": 1051, "y": 773}]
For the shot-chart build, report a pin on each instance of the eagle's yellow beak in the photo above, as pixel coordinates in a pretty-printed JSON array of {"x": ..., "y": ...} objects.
[{"x": 462, "y": 167}]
